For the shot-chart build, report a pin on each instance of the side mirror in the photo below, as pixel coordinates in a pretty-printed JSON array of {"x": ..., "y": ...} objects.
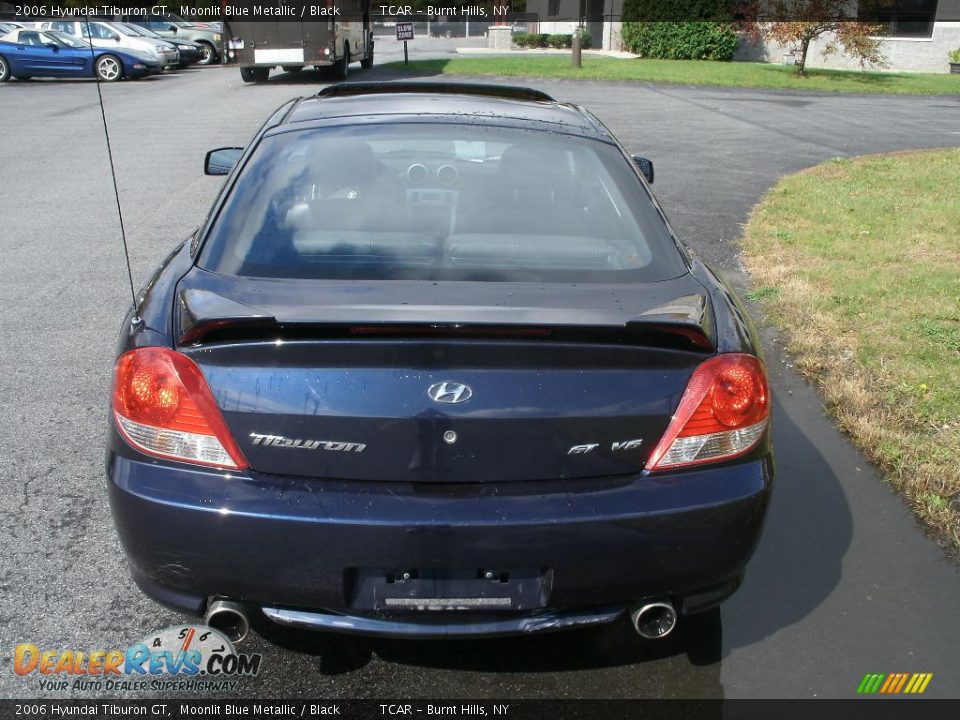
[
  {"x": 222, "y": 160},
  {"x": 115, "y": 37},
  {"x": 645, "y": 167},
  {"x": 53, "y": 46},
  {"x": 172, "y": 28}
]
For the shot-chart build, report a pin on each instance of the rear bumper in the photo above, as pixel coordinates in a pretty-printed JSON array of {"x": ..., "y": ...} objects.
[
  {"x": 270, "y": 66},
  {"x": 450, "y": 627},
  {"x": 287, "y": 545}
]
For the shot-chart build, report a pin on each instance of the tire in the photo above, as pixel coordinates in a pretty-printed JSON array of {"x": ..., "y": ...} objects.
[
  {"x": 254, "y": 75},
  {"x": 341, "y": 68},
  {"x": 4, "y": 69},
  {"x": 367, "y": 62},
  {"x": 292, "y": 69},
  {"x": 108, "y": 68},
  {"x": 209, "y": 54}
]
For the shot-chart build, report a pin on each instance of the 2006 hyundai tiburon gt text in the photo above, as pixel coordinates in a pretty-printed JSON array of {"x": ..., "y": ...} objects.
[{"x": 436, "y": 364}]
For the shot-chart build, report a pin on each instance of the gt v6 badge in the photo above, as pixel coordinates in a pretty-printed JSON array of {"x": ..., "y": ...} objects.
[
  {"x": 279, "y": 441},
  {"x": 614, "y": 447}
]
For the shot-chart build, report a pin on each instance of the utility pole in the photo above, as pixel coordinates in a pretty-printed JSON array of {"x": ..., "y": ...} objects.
[{"x": 577, "y": 62}]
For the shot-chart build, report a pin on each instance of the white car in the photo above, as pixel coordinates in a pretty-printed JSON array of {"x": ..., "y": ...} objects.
[{"x": 105, "y": 34}]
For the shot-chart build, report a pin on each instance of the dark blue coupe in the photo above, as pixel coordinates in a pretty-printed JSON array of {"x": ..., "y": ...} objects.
[
  {"x": 436, "y": 365},
  {"x": 26, "y": 53}
]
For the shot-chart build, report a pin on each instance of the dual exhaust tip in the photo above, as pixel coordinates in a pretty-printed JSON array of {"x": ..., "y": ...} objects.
[{"x": 652, "y": 620}]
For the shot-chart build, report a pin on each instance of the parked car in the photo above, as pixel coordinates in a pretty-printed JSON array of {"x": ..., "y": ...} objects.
[
  {"x": 170, "y": 26},
  {"x": 27, "y": 53},
  {"x": 437, "y": 365},
  {"x": 7, "y": 27},
  {"x": 190, "y": 52},
  {"x": 105, "y": 34}
]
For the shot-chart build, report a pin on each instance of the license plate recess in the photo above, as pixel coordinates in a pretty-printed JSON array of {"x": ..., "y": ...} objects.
[{"x": 399, "y": 590}]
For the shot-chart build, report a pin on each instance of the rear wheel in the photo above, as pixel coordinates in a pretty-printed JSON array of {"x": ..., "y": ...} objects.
[
  {"x": 108, "y": 68},
  {"x": 292, "y": 69},
  {"x": 4, "y": 69},
  {"x": 255, "y": 75},
  {"x": 209, "y": 54},
  {"x": 341, "y": 68}
]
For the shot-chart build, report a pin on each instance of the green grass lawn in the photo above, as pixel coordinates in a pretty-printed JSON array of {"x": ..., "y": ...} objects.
[
  {"x": 859, "y": 262},
  {"x": 690, "y": 72}
]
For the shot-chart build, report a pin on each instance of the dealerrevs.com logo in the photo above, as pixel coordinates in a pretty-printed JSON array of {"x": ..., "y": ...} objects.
[{"x": 178, "y": 658}]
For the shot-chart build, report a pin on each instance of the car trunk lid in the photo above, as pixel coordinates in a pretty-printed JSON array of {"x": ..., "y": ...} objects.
[{"x": 395, "y": 381}]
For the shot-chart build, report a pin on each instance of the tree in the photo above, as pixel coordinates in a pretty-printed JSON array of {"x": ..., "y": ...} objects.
[{"x": 845, "y": 32}]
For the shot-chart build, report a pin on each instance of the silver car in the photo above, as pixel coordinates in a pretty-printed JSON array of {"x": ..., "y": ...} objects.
[
  {"x": 103, "y": 34},
  {"x": 206, "y": 35}
]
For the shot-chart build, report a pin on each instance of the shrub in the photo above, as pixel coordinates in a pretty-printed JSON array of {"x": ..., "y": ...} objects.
[
  {"x": 681, "y": 41},
  {"x": 954, "y": 55},
  {"x": 557, "y": 40},
  {"x": 536, "y": 40}
]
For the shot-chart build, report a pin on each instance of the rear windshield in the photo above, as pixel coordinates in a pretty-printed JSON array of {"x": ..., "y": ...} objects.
[{"x": 440, "y": 202}]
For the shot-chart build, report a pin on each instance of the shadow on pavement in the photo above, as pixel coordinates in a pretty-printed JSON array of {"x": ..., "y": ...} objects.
[
  {"x": 304, "y": 77},
  {"x": 808, "y": 531},
  {"x": 325, "y": 76}
]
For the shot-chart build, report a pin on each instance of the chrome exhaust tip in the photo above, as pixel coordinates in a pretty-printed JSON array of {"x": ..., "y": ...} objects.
[
  {"x": 654, "y": 620},
  {"x": 228, "y": 617}
]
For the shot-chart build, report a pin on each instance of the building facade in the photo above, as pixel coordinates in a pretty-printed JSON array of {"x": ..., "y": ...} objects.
[{"x": 919, "y": 33}]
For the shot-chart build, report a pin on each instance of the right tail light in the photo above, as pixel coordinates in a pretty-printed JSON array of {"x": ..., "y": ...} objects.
[{"x": 722, "y": 414}]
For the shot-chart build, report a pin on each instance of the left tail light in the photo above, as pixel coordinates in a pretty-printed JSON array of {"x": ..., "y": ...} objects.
[
  {"x": 723, "y": 413},
  {"x": 163, "y": 407}
]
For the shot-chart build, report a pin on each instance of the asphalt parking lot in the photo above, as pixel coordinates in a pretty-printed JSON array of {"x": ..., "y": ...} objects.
[{"x": 843, "y": 583}]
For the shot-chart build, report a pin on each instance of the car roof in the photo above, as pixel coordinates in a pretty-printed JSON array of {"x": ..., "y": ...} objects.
[{"x": 465, "y": 103}]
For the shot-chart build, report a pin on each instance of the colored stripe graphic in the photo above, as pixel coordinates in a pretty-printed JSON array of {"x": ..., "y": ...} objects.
[
  {"x": 870, "y": 683},
  {"x": 894, "y": 683},
  {"x": 891, "y": 680}
]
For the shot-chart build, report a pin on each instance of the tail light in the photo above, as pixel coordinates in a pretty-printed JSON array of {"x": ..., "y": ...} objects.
[
  {"x": 163, "y": 407},
  {"x": 723, "y": 413}
]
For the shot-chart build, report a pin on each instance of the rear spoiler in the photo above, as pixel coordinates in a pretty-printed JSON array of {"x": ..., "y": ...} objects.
[
  {"x": 512, "y": 92},
  {"x": 684, "y": 323},
  {"x": 690, "y": 316},
  {"x": 202, "y": 312}
]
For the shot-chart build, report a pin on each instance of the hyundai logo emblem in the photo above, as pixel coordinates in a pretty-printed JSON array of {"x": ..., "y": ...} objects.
[{"x": 449, "y": 392}]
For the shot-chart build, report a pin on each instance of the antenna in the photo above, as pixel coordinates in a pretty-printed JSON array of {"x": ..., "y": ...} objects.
[{"x": 136, "y": 319}]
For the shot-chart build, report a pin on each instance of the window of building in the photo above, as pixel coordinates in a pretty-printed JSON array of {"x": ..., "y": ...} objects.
[{"x": 901, "y": 18}]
